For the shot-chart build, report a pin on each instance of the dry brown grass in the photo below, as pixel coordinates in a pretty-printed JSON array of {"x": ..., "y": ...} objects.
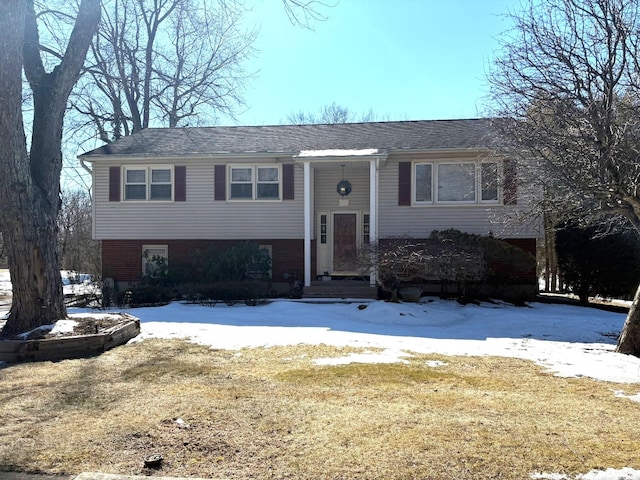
[{"x": 271, "y": 413}]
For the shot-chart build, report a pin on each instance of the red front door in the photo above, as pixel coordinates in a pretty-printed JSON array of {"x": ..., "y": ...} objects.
[{"x": 344, "y": 243}]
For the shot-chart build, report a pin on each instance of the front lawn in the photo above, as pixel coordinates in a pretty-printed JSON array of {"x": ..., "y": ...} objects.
[{"x": 269, "y": 413}]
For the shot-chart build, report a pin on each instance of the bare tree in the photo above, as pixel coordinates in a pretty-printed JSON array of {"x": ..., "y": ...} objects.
[
  {"x": 163, "y": 63},
  {"x": 30, "y": 183},
  {"x": 305, "y": 12},
  {"x": 78, "y": 251},
  {"x": 330, "y": 113},
  {"x": 457, "y": 260},
  {"x": 566, "y": 93}
]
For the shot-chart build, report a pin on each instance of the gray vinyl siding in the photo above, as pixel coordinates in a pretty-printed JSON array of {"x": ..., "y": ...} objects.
[
  {"x": 326, "y": 196},
  {"x": 200, "y": 216},
  {"x": 420, "y": 221}
]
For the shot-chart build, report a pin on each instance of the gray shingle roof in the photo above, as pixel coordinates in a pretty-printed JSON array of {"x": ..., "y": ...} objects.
[{"x": 290, "y": 139}]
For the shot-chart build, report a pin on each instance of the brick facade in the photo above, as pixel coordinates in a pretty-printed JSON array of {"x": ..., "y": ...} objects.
[
  {"x": 122, "y": 259},
  {"x": 528, "y": 245}
]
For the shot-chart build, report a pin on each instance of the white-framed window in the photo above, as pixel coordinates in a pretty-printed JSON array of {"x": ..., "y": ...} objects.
[
  {"x": 424, "y": 182},
  {"x": 455, "y": 182},
  {"x": 155, "y": 260},
  {"x": 366, "y": 229},
  {"x": 268, "y": 183},
  {"x": 254, "y": 182},
  {"x": 148, "y": 183},
  {"x": 241, "y": 187},
  {"x": 323, "y": 228}
]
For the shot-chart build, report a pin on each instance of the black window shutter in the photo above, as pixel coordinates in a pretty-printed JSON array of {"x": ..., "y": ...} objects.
[
  {"x": 114, "y": 184},
  {"x": 404, "y": 183},
  {"x": 181, "y": 183},
  {"x": 220, "y": 183},
  {"x": 288, "y": 178},
  {"x": 510, "y": 192}
]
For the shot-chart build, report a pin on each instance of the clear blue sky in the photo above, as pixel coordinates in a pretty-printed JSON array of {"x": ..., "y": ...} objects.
[{"x": 403, "y": 59}]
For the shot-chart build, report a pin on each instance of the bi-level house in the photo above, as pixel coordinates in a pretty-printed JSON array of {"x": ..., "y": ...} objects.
[{"x": 310, "y": 195}]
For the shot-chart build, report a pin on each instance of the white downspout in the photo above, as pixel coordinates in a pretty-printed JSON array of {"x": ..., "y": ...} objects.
[
  {"x": 308, "y": 216},
  {"x": 373, "y": 216}
]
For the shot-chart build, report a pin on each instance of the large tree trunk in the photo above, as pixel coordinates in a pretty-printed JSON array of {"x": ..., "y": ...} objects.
[
  {"x": 33, "y": 263},
  {"x": 28, "y": 225},
  {"x": 30, "y": 183},
  {"x": 629, "y": 341}
]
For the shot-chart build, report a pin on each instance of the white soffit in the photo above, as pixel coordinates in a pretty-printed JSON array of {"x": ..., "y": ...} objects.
[{"x": 353, "y": 157}]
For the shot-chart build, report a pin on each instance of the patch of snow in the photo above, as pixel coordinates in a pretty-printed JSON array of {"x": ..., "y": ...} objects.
[
  {"x": 76, "y": 283},
  {"x": 435, "y": 363},
  {"x": 62, "y": 327},
  {"x": 73, "y": 283},
  {"x": 622, "y": 394},
  {"x": 608, "y": 474},
  {"x": 548, "y": 476},
  {"x": 44, "y": 329},
  {"x": 5, "y": 282},
  {"x": 182, "y": 424},
  {"x": 612, "y": 474},
  {"x": 70, "y": 277},
  {"x": 338, "y": 153}
]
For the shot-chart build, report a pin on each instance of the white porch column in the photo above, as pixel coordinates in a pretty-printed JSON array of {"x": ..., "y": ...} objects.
[
  {"x": 373, "y": 215},
  {"x": 308, "y": 221}
]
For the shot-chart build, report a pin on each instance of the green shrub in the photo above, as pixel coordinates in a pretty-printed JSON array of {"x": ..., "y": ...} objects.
[
  {"x": 250, "y": 292},
  {"x": 243, "y": 261},
  {"x": 145, "y": 295},
  {"x": 235, "y": 274},
  {"x": 595, "y": 264}
]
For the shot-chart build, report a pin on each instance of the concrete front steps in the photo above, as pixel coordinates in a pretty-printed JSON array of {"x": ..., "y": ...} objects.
[{"x": 340, "y": 289}]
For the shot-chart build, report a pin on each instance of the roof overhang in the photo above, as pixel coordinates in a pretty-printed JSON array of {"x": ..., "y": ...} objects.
[
  {"x": 342, "y": 156},
  {"x": 182, "y": 157},
  {"x": 330, "y": 156}
]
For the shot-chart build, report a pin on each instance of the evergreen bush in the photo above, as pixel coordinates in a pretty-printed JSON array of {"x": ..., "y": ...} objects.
[
  {"x": 592, "y": 263},
  {"x": 239, "y": 273}
]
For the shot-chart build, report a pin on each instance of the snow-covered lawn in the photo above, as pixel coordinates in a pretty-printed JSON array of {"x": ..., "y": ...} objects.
[
  {"x": 73, "y": 283},
  {"x": 567, "y": 341},
  {"x": 5, "y": 282}
]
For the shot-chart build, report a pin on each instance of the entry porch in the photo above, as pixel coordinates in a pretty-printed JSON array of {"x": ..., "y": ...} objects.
[{"x": 340, "y": 211}]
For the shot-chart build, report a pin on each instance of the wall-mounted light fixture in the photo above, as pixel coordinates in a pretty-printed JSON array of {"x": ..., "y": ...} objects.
[{"x": 344, "y": 186}]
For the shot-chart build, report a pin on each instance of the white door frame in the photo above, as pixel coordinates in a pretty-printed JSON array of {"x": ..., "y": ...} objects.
[{"x": 308, "y": 209}]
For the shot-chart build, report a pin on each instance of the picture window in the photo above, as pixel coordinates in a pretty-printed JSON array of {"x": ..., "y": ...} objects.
[{"x": 456, "y": 182}]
